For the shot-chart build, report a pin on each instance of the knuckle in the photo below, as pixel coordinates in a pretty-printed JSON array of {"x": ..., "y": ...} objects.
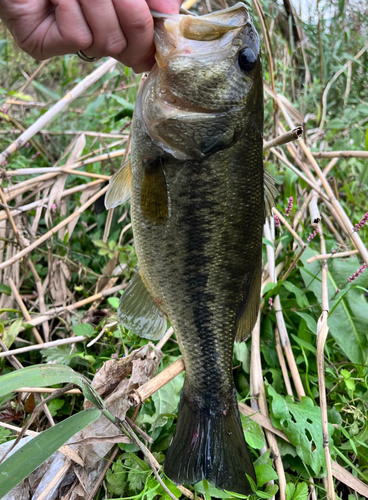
[{"x": 115, "y": 48}]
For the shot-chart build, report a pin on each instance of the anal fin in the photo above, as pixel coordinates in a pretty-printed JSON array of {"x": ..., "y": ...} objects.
[
  {"x": 138, "y": 312},
  {"x": 120, "y": 186}
]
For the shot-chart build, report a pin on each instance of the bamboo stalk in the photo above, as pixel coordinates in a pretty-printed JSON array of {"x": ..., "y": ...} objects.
[
  {"x": 57, "y": 108},
  {"x": 46, "y": 390},
  {"x": 332, "y": 255},
  {"x": 322, "y": 332},
  {"x": 146, "y": 390},
  {"x": 45, "y": 345},
  {"x": 299, "y": 173},
  {"x": 288, "y": 226},
  {"x": 292, "y": 135},
  {"x": 340, "y": 154},
  {"x": 260, "y": 401},
  {"x": 23, "y": 308},
  {"x": 58, "y": 311},
  {"x": 35, "y": 204}
]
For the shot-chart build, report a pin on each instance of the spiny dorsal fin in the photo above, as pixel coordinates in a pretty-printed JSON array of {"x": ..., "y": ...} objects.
[
  {"x": 120, "y": 186},
  {"x": 138, "y": 312},
  {"x": 270, "y": 194},
  {"x": 154, "y": 199},
  {"x": 248, "y": 319}
]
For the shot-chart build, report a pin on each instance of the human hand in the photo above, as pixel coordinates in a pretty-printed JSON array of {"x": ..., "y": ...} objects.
[{"x": 122, "y": 29}]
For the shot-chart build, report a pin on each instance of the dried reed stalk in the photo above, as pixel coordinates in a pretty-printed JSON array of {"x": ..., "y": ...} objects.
[
  {"x": 292, "y": 135},
  {"x": 258, "y": 394},
  {"x": 24, "y": 310},
  {"x": 322, "y": 332},
  {"x": 332, "y": 255},
  {"x": 57, "y": 108},
  {"x": 340, "y": 154},
  {"x": 50, "y": 233}
]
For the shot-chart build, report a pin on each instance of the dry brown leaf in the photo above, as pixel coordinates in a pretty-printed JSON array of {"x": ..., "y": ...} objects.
[
  {"x": 119, "y": 438},
  {"x": 58, "y": 187}
]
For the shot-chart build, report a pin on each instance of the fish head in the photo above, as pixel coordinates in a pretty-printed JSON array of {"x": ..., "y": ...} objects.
[{"x": 208, "y": 69}]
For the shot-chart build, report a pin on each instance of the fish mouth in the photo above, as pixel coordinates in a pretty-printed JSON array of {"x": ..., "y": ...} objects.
[{"x": 189, "y": 35}]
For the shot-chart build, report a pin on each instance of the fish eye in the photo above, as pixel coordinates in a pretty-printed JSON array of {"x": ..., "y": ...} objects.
[{"x": 247, "y": 59}]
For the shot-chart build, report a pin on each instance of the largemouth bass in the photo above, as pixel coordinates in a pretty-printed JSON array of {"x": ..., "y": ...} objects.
[{"x": 199, "y": 197}]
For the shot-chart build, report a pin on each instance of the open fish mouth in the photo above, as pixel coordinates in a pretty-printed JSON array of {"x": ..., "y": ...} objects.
[{"x": 188, "y": 34}]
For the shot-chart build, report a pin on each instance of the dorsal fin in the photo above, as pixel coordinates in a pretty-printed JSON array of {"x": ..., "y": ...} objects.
[
  {"x": 120, "y": 186},
  {"x": 270, "y": 193},
  {"x": 138, "y": 312}
]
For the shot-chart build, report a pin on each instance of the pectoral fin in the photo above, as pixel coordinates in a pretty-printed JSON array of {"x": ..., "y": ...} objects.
[
  {"x": 120, "y": 186},
  {"x": 270, "y": 193},
  {"x": 154, "y": 199},
  {"x": 248, "y": 317},
  {"x": 138, "y": 312}
]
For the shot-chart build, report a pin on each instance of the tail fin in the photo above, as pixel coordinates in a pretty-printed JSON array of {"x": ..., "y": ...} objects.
[{"x": 209, "y": 444}]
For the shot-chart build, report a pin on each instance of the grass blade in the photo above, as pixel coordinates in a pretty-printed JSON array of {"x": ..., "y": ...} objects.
[{"x": 25, "y": 460}]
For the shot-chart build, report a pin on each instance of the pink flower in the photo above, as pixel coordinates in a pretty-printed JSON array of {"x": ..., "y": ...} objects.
[
  {"x": 35, "y": 155},
  {"x": 357, "y": 273},
  {"x": 313, "y": 235},
  {"x": 277, "y": 221},
  {"x": 270, "y": 303},
  {"x": 123, "y": 87},
  {"x": 289, "y": 207},
  {"x": 5, "y": 163},
  {"x": 53, "y": 207},
  {"x": 4, "y": 110},
  {"x": 84, "y": 223},
  {"x": 361, "y": 223},
  {"x": 26, "y": 145}
]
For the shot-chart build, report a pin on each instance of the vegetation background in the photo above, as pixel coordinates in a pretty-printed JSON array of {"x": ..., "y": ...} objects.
[{"x": 76, "y": 273}]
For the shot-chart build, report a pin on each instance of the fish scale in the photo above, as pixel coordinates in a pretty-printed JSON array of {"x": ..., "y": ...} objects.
[{"x": 197, "y": 202}]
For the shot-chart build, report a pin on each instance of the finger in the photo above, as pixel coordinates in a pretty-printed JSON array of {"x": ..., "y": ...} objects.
[
  {"x": 108, "y": 36},
  {"x": 165, "y": 6},
  {"x": 137, "y": 23},
  {"x": 67, "y": 30},
  {"x": 48, "y": 29},
  {"x": 145, "y": 66}
]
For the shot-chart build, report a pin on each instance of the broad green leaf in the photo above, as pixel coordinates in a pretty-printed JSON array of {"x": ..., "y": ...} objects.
[
  {"x": 83, "y": 329},
  {"x": 241, "y": 353},
  {"x": 305, "y": 344},
  {"x": 11, "y": 334},
  {"x": 299, "y": 294},
  {"x": 348, "y": 321},
  {"x": 253, "y": 433},
  {"x": 25, "y": 460},
  {"x": 290, "y": 490},
  {"x": 45, "y": 375},
  {"x": 114, "y": 302},
  {"x": 301, "y": 423},
  {"x": 264, "y": 474},
  {"x": 301, "y": 492},
  {"x": 268, "y": 287},
  {"x": 311, "y": 322},
  {"x": 5, "y": 289},
  {"x": 214, "y": 492},
  {"x": 167, "y": 399}
]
